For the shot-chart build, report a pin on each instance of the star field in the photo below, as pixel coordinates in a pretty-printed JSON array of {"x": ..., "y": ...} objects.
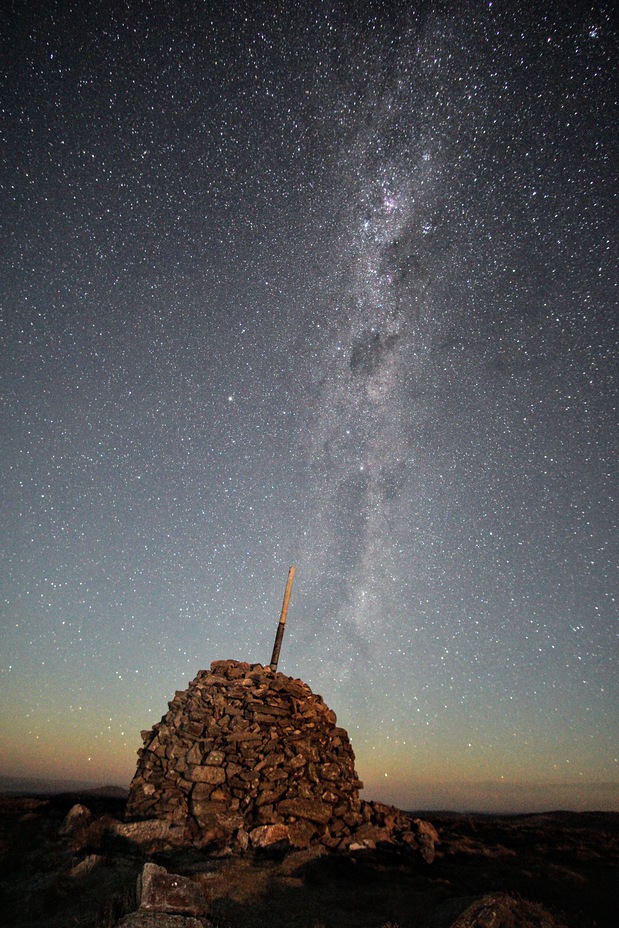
[{"x": 322, "y": 284}]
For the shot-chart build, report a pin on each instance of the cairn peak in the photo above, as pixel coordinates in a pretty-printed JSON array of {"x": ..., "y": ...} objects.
[{"x": 249, "y": 754}]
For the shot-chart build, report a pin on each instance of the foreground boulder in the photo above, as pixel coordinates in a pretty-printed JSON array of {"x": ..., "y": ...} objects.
[
  {"x": 167, "y": 900},
  {"x": 493, "y": 910},
  {"x": 160, "y": 891}
]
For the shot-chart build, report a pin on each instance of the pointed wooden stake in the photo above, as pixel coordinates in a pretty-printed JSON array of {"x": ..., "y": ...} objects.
[{"x": 282, "y": 621}]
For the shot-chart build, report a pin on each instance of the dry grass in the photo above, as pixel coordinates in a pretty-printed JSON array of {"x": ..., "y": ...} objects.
[{"x": 318, "y": 892}]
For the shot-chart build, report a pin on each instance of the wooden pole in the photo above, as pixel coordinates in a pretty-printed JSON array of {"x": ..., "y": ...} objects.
[{"x": 282, "y": 621}]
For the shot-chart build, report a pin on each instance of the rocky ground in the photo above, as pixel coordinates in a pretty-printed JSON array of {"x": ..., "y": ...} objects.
[{"x": 557, "y": 869}]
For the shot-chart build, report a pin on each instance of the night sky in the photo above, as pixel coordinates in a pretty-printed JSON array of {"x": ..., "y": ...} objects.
[{"x": 330, "y": 284}]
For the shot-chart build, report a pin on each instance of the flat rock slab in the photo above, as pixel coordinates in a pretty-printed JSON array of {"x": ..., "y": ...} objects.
[{"x": 155, "y": 833}]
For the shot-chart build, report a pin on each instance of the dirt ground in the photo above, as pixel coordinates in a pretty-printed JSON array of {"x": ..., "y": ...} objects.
[{"x": 566, "y": 862}]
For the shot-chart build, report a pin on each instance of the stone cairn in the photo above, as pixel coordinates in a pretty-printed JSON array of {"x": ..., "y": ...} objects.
[{"x": 249, "y": 756}]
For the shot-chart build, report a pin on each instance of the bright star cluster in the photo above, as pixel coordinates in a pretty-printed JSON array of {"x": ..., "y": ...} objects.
[{"x": 328, "y": 285}]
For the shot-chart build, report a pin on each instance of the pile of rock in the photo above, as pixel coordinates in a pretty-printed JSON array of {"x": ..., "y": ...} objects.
[
  {"x": 251, "y": 756},
  {"x": 385, "y": 825}
]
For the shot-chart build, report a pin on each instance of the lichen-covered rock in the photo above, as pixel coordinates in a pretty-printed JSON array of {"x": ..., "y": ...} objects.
[{"x": 244, "y": 748}]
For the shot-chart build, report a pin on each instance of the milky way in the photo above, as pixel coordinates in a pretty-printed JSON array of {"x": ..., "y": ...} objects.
[{"x": 334, "y": 286}]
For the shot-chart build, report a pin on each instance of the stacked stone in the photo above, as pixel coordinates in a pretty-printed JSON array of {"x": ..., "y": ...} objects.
[{"x": 249, "y": 753}]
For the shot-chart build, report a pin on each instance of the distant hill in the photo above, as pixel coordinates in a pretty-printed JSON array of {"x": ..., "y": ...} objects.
[{"x": 23, "y": 786}]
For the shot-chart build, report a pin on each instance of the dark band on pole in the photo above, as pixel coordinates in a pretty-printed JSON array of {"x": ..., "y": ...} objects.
[{"x": 282, "y": 621}]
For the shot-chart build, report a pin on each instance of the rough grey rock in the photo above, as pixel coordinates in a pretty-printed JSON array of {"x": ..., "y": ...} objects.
[
  {"x": 160, "y": 891},
  {"x": 77, "y": 816}
]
